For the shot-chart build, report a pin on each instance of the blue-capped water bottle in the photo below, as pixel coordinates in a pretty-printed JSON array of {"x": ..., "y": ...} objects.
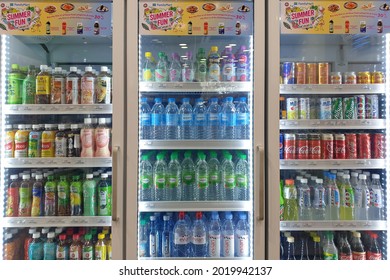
[
  {"x": 214, "y": 119},
  {"x": 171, "y": 120},
  {"x": 228, "y": 119},
  {"x": 200, "y": 120},
  {"x": 242, "y": 129},
  {"x": 186, "y": 129},
  {"x": 145, "y": 119},
  {"x": 157, "y": 120}
]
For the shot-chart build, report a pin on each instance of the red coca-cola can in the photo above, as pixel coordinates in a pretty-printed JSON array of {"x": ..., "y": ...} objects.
[
  {"x": 364, "y": 145},
  {"x": 289, "y": 146},
  {"x": 378, "y": 145},
  {"x": 350, "y": 146},
  {"x": 314, "y": 140},
  {"x": 339, "y": 146},
  {"x": 327, "y": 146},
  {"x": 302, "y": 147}
]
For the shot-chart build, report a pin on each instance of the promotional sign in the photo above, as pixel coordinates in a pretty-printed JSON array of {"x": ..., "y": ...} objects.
[
  {"x": 45, "y": 18},
  {"x": 335, "y": 17},
  {"x": 196, "y": 18}
]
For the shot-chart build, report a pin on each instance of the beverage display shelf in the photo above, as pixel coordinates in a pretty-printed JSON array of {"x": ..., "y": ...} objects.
[
  {"x": 332, "y": 225},
  {"x": 65, "y": 162},
  {"x": 56, "y": 221},
  {"x": 195, "y": 87},
  {"x": 57, "y": 109},
  {"x": 194, "y": 206},
  {"x": 195, "y": 258},
  {"x": 333, "y": 89},
  {"x": 311, "y": 164},
  {"x": 195, "y": 144},
  {"x": 333, "y": 124}
]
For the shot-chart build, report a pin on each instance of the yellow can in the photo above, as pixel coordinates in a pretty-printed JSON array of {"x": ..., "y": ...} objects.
[
  {"x": 377, "y": 77},
  {"x": 364, "y": 78}
]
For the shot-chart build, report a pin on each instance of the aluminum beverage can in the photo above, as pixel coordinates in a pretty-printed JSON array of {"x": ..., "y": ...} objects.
[
  {"x": 300, "y": 73},
  {"x": 323, "y": 73},
  {"x": 378, "y": 146},
  {"x": 288, "y": 73},
  {"x": 339, "y": 146},
  {"x": 304, "y": 108},
  {"x": 350, "y": 78},
  {"x": 311, "y": 73},
  {"x": 337, "y": 108},
  {"x": 292, "y": 108},
  {"x": 364, "y": 145},
  {"x": 289, "y": 146},
  {"x": 282, "y": 108},
  {"x": 302, "y": 146},
  {"x": 325, "y": 108},
  {"x": 361, "y": 107},
  {"x": 336, "y": 78},
  {"x": 281, "y": 142},
  {"x": 350, "y": 146},
  {"x": 372, "y": 107},
  {"x": 327, "y": 146},
  {"x": 313, "y": 108},
  {"x": 349, "y": 108},
  {"x": 364, "y": 78},
  {"x": 377, "y": 77},
  {"x": 314, "y": 140}
]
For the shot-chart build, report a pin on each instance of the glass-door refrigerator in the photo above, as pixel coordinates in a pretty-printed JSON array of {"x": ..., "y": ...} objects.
[
  {"x": 194, "y": 192},
  {"x": 329, "y": 77},
  {"x": 59, "y": 137}
]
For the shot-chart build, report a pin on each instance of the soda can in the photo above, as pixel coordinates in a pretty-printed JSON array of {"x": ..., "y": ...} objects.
[
  {"x": 327, "y": 146},
  {"x": 350, "y": 146},
  {"x": 372, "y": 107},
  {"x": 364, "y": 78},
  {"x": 361, "y": 107},
  {"x": 311, "y": 73},
  {"x": 282, "y": 108},
  {"x": 337, "y": 108},
  {"x": 314, "y": 142},
  {"x": 339, "y": 146},
  {"x": 377, "y": 77},
  {"x": 289, "y": 146},
  {"x": 281, "y": 140},
  {"x": 364, "y": 145},
  {"x": 325, "y": 108},
  {"x": 300, "y": 73},
  {"x": 302, "y": 146},
  {"x": 350, "y": 78},
  {"x": 288, "y": 73},
  {"x": 304, "y": 108},
  {"x": 349, "y": 108},
  {"x": 323, "y": 73},
  {"x": 336, "y": 78},
  {"x": 313, "y": 108},
  {"x": 378, "y": 146},
  {"x": 292, "y": 108}
]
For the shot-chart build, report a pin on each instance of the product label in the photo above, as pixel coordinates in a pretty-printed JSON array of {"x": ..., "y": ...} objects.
[
  {"x": 374, "y": 256},
  {"x": 214, "y": 71},
  {"x": 228, "y": 71},
  {"x": 152, "y": 246},
  {"x": 147, "y": 75},
  {"x": 214, "y": 119},
  {"x": 186, "y": 119},
  {"x": 172, "y": 119},
  {"x": 88, "y": 253},
  {"x": 159, "y": 180},
  {"x": 100, "y": 252},
  {"x": 241, "y": 181},
  {"x": 104, "y": 203},
  {"x": 49, "y": 251},
  {"x": 229, "y": 181},
  {"x": 214, "y": 178},
  {"x": 60, "y": 147},
  {"x": 48, "y": 138},
  {"x": 103, "y": 90},
  {"x": 335, "y": 198},
  {"x": 43, "y": 85},
  {"x": 181, "y": 239},
  {"x": 228, "y": 246},
  {"x": 229, "y": 119},
  {"x": 376, "y": 198},
  {"x": 86, "y": 138},
  {"x": 243, "y": 245},
  {"x": 173, "y": 182},
  {"x": 330, "y": 256},
  {"x": 174, "y": 75},
  {"x": 157, "y": 119},
  {"x": 199, "y": 240},
  {"x": 188, "y": 178},
  {"x": 57, "y": 91},
  {"x": 75, "y": 196},
  {"x": 21, "y": 143},
  {"x": 102, "y": 139},
  {"x": 145, "y": 119},
  {"x": 161, "y": 75},
  {"x": 358, "y": 255},
  {"x": 36, "y": 201},
  {"x": 87, "y": 90},
  {"x": 35, "y": 251},
  {"x": 304, "y": 199},
  {"x": 12, "y": 202},
  {"x": 34, "y": 144},
  {"x": 72, "y": 90},
  {"x": 200, "y": 119},
  {"x": 166, "y": 252},
  {"x": 202, "y": 181},
  {"x": 142, "y": 246},
  {"x": 214, "y": 245},
  {"x": 243, "y": 119},
  {"x": 62, "y": 253},
  {"x": 24, "y": 201},
  {"x": 146, "y": 181},
  {"x": 9, "y": 144},
  {"x": 348, "y": 200},
  {"x": 345, "y": 257}
]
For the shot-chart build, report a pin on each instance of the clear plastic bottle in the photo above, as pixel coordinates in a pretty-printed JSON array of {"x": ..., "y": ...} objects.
[
  {"x": 166, "y": 242},
  {"x": 60, "y": 142},
  {"x": 319, "y": 203},
  {"x": 145, "y": 119},
  {"x": 181, "y": 237},
  {"x": 63, "y": 197},
  {"x": 188, "y": 70},
  {"x": 362, "y": 199},
  {"x": 330, "y": 250},
  {"x": 242, "y": 237},
  {"x": 103, "y": 86},
  {"x": 157, "y": 120},
  {"x": 375, "y": 212},
  {"x": 202, "y": 179},
  {"x": 100, "y": 248},
  {"x": 88, "y": 86},
  {"x": 214, "y": 68},
  {"x": 200, "y": 119},
  {"x": 214, "y": 119},
  {"x": 214, "y": 243},
  {"x": 104, "y": 201},
  {"x": 214, "y": 177},
  {"x": 87, "y": 139},
  {"x": 354, "y": 179},
  {"x": 188, "y": 177},
  {"x": 228, "y": 70},
  {"x": 374, "y": 252},
  {"x": 62, "y": 248},
  {"x": 49, "y": 247},
  {"x": 143, "y": 240},
  {"x": 102, "y": 139},
  {"x": 290, "y": 201},
  {"x": 160, "y": 175},
  {"x": 58, "y": 87},
  {"x": 146, "y": 179},
  {"x": 161, "y": 72},
  {"x": 29, "y": 86},
  {"x": 347, "y": 199},
  {"x": 345, "y": 251},
  {"x": 37, "y": 197},
  {"x": 89, "y": 196},
  {"x": 242, "y": 178},
  {"x": 228, "y": 119},
  {"x": 199, "y": 237},
  {"x": 153, "y": 238},
  {"x": 317, "y": 254},
  {"x": 201, "y": 66},
  {"x": 43, "y": 82},
  {"x": 174, "y": 178},
  {"x": 75, "y": 196},
  {"x": 175, "y": 68},
  {"x": 87, "y": 248},
  {"x": 228, "y": 236},
  {"x": 35, "y": 250},
  {"x": 243, "y": 121},
  {"x": 304, "y": 202},
  {"x": 242, "y": 65},
  {"x": 13, "y": 197},
  {"x": 358, "y": 250},
  {"x": 186, "y": 130},
  {"x": 73, "y": 87},
  {"x": 228, "y": 179},
  {"x": 148, "y": 69},
  {"x": 290, "y": 255},
  {"x": 171, "y": 120},
  {"x": 333, "y": 199}
]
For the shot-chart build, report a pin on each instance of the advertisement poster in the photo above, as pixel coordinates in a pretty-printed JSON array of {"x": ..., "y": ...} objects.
[
  {"x": 196, "y": 18},
  {"x": 335, "y": 17},
  {"x": 56, "y": 18}
]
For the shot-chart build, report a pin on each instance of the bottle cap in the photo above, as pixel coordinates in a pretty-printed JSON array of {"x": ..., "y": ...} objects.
[
  {"x": 101, "y": 236},
  {"x": 32, "y": 230},
  {"x": 229, "y": 99},
  {"x": 354, "y": 174},
  {"x": 36, "y": 235},
  {"x": 290, "y": 239},
  {"x": 26, "y": 176},
  {"x": 346, "y": 176},
  {"x": 61, "y": 126},
  {"x": 298, "y": 178},
  {"x": 50, "y": 235},
  {"x": 89, "y": 176},
  {"x": 289, "y": 182},
  {"x": 198, "y": 215},
  {"x": 362, "y": 176},
  {"x": 102, "y": 120},
  {"x": 104, "y": 175},
  {"x": 287, "y": 234},
  {"x": 304, "y": 181},
  {"x": 73, "y": 69},
  {"x": 88, "y": 69},
  {"x": 319, "y": 181},
  {"x": 103, "y": 69},
  {"x": 313, "y": 178},
  {"x": 166, "y": 218},
  {"x": 38, "y": 176},
  {"x": 242, "y": 216},
  {"x": 76, "y": 236},
  {"x": 375, "y": 176},
  {"x": 228, "y": 216},
  {"x": 21, "y": 126},
  {"x": 356, "y": 234},
  {"x": 43, "y": 67},
  {"x": 14, "y": 177},
  {"x": 62, "y": 237},
  {"x": 87, "y": 120},
  {"x": 171, "y": 100},
  {"x": 214, "y": 215},
  {"x": 58, "y": 231},
  {"x": 316, "y": 239},
  {"x": 152, "y": 218}
]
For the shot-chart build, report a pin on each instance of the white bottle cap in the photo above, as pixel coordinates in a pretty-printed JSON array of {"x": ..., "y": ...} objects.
[
  {"x": 290, "y": 239},
  {"x": 287, "y": 234},
  {"x": 354, "y": 174},
  {"x": 357, "y": 234},
  {"x": 103, "y": 69},
  {"x": 319, "y": 181},
  {"x": 298, "y": 178},
  {"x": 362, "y": 176},
  {"x": 89, "y": 176},
  {"x": 375, "y": 176},
  {"x": 104, "y": 175},
  {"x": 73, "y": 69},
  {"x": 36, "y": 235},
  {"x": 166, "y": 218},
  {"x": 26, "y": 177},
  {"x": 57, "y": 69},
  {"x": 14, "y": 177},
  {"x": 109, "y": 173},
  {"x": 36, "y": 126},
  {"x": 333, "y": 171},
  {"x": 61, "y": 126},
  {"x": 87, "y": 120},
  {"x": 313, "y": 178},
  {"x": 45, "y": 230},
  {"x": 304, "y": 181},
  {"x": 8, "y": 236},
  {"x": 74, "y": 126},
  {"x": 38, "y": 176},
  {"x": 43, "y": 67},
  {"x": 21, "y": 126},
  {"x": 32, "y": 230},
  {"x": 152, "y": 218},
  {"x": 50, "y": 235},
  {"x": 48, "y": 126},
  {"x": 367, "y": 173},
  {"x": 102, "y": 120},
  {"x": 14, "y": 230},
  {"x": 88, "y": 69},
  {"x": 346, "y": 176},
  {"x": 8, "y": 126},
  {"x": 58, "y": 230}
]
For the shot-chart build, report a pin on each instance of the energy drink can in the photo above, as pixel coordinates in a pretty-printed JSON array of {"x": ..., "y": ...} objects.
[{"x": 288, "y": 72}]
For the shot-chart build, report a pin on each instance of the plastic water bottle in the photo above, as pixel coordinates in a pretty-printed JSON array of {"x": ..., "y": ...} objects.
[
  {"x": 199, "y": 237},
  {"x": 347, "y": 200},
  {"x": 362, "y": 199},
  {"x": 354, "y": 179},
  {"x": 202, "y": 179},
  {"x": 188, "y": 177},
  {"x": 228, "y": 179},
  {"x": 181, "y": 238},
  {"x": 143, "y": 240},
  {"x": 174, "y": 179},
  {"x": 333, "y": 199},
  {"x": 145, "y": 119},
  {"x": 160, "y": 175},
  {"x": 188, "y": 70},
  {"x": 242, "y": 183},
  {"x": 228, "y": 119},
  {"x": 214, "y": 119},
  {"x": 186, "y": 129},
  {"x": 375, "y": 212},
  {"x": 175, "y": 68},
  {"x": 242, "y": 65},
  {"x": 319, "y": 204},
  {"x": 214, "y": 236},
  {"x": 368, "y": 180},
  {"x": 200, "y": 120},
  {"x": 228, "y": 236},
  {"x": 214, "y": 177},
  {"x": 146, "y": 179},
  {"x": 242, "y": 129},
  {"x": 161, "y": 72},
  {"x": 242, "y": 237},
  {"x": 330, "y": 250},
  {"x": 166, "y": 242},
  {"x": 304, "y": 203},
  {"x": 172, "y": 120},
  {"x": 153, "y": 239},
  {"x": 214, "y": 74},
  {"x": 157, "y": 120},
  {"x": 148, "y": 68},
  {"x": 201, "y": 66}
]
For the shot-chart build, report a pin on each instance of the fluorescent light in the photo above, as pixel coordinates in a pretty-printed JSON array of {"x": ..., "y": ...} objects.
[
  {"x": 181, "y": 45},
  {"x": 184, "y": 47}
]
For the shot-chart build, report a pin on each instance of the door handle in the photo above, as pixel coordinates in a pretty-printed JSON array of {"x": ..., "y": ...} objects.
[
  {"x": 114, "y": 212},
  {"x": 260, "y": 156}
]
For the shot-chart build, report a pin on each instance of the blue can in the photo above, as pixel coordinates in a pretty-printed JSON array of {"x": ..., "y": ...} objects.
[
  {"x": 281, "y": 141},
  {"x": 288, "y": 73}
]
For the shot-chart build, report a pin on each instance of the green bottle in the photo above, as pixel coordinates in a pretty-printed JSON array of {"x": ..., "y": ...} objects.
[
  {"x": 15, "y": 80},
  {"x": 89, "y": 196},
  {"x": 75, "y": 196},
  {"x": 281, "y": 201},
  {"x": 290, "y": 201},
  {"x": 104, "y": 196},
  {"x": 63, "y": 194},
  {"x": 29, "y": 86}
]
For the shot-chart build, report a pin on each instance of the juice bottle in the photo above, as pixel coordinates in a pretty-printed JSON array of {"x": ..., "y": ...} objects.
[
  {"x": 87, "y": 248},
  {"x": 48, "y": 141},
  {"x": 228, "y": 66},
  {"x": 27, "y": 241},
  {"x": 148, "y": 68},
  {"x": 75, "y": 249},
  {"x": 62, "y": 249},
  {"x": 13, "y": 197},
  {"x": 102, "y": 139},
  {"x": 35, "y": 141},
  {"x": 49, "y": 247},
  {"x": 15, "y": 81},
  {"x": 9, "y": 147},
  {"x": 90, "y": 196},
  {"x": 29, "y": 86},
  {"x": 87, "y": 138},
  {"x": 73, "y": 87},
  {"x": 37, "y": 197},
  {"x": 75, "y": 196},
  {"x": 109, "y": 248},
  {"x": 290, "y": 201},
  {"x": 24, "y": 208},
  {"x": 63, "y": 194},
  {"x": 100, "y": 248},
  {"x": 57, "y": 93},
  {"x": 60, "y": 142},
  {"x": 9, "y": 247},
  {"x": 21, "y": 142},
  {"x": 103, "y": 86},
  {"x": 347, "y": 201},
  {"x": 43, "y": 82},
  {"x": 73, "y": 141},
  {"x": 88, "y": 87},
  {"x": 35, "y": 250},
  {"x": 214, "y": 74},
  {"x": 104, "y": 196},
  {"x": 50, "y": 197}
]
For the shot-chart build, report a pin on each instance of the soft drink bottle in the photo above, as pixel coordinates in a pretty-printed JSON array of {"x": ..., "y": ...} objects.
[
  {"x": 148, "y": 68},
  {"x": 49, "y": 247},
  {"x": 228, "y": 236},
  {"x": 89, "y": 196},
  {"x": 345, "y": 251},
  {"x": 290, "y": 201},
  {"x": 214, "y": 69},
  {"x": 161, "y": 72},
  {"x": 354, "y": 179},
  {"x": 214, "y": 177},
  {"x": 172, "y": 120},
  {"x": 281, "y": 201},
  {"x": 63, "y": 197},
  {"x": 50, "y": 197},
  {"x": 25, "y": 199},
  {"x": 145, "y": 119},
  {"x": 146, "y": 179},
  {"x": 242, "y": 237},
  {"x": 160, "y": 175},
  {"x": 188, "y": 70},
  {"x": 304, "y": 202},
  {"x": 214, "y": 243},
  {"x": 332, "y": 199},
  {"x": 303, "y": 249},
  {"x": 201, "y": 66},
  {"x": 243, "y": 121},
  {"x": 368, "y": 180},
  {"x": 199, "y": 239},
  {"x": 347, "y": 199},
  {"x": 75, "y": 196},
  {"x": 242, "y": 183},
  {"x": 157, "y": 120},
  {"x": 100, "y": 248},
  {"x": 153, "y": 238},
  {"x": 166, "y": 242},
  {"x": 362, "y": 199},
  {"x": 200, "y": 119},
  {"x": 319, "y": 204},
  {"x": 87, "y": 248},
  {"x": 290, "y": 255},
  {"x": 228, "y": 65},
  {"x": 62, "y": 248},
  {"x": 181, "y": 237},
  {"x": 329, "y": 249},
  {"x": 35, "y": 250},
  {"x": 228, "y": 179},
  {"x": 143, "y": 240},
  {"x": 87, "y": 138},
  {"x": 374, "y": 252},
  {"x": 358, "y": 251},
  {"x": 375, "y": 212},
  {"x": 228, "y": 119},
  {"x": 317, "y": 254},
  {"x": 104, "y": 196},
  {"x": 88, "y": 86},
  {"x": 202, "y": 179},
  {"x": 242, "y": 65},
  {"x": 188, "y": 177},
  {"x": 175, "y": 69},
  {"x": 37, "y": 197},
  {"x": 186, "y": 130},
  {"x": 174, "y": 178},
  {"x": 29, "y": 86},
  {"x": 214, "y": 119}
]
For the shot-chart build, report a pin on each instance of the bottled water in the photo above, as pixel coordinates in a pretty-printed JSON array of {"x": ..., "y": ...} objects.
[
  {"x": 166, "y": 242},
  {"x": 153, "y": 239},
  {"x": 228, "y": 119},
  {"x": 186, "y": 129},
  {"x": 319, "y": 204},
  {"x": 242, "y": 237},
  {"x": 362, "y": 199},
  {"x": 228, "y": 236},
  {"x": 214, "y": 119},
  {"x": 160, "y": 175},
  {"x": 242, "y": 129},
  {"x": 199, "y": 238},
  {"x": 172, "y": 120},
  {"x": 242, "y": 176},
  {"x": 228, "y": 179},
  {"x": 202, "y": 179},
  {"x": 214, "y": 177},
  {"x": 157, "y": 120},
  {"x": 143, "y": 240},
  {"x": 175, "y": 68},
  {"x": 201, "y": 66},
  {"x": 146, "y": 179},
  {"x": 347, "y": 201},
  {"x": 333, "y": 199},
  {"x": 188, "y": 70},
  {"x": 174, "y": 178},
  {"x": 311, "y": 184},
  {"x": 181, "y": 237},
  {"x": 304, "y": 203},
  {"x": 161, "y": 72},
  {"x": 188, "y": 177},
  {"x": 375, "y": 212},
  {"x": 368, "y": 180},
  {"x": 354, "y": 179},
  {"x": 200, "y": 121},
  {"x": 145, "y": 119},
  {"x": 214, "y": 236}
]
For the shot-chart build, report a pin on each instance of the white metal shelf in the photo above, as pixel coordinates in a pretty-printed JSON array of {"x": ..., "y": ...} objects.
[
  {"x": 333, "y": 89},
  {"x": 194, "y": 258},
  {"x": 195, "y": 87},
  {"x": 192, "y": 206},
  {"x": 332, "y": 225},
  {"x": 57, "y": 109},
  {"x": 56, "y": 221},
  {"x": 333, "y": 124},
  {"x": 195, "y": 144},
  {"x": 66, "y": 162},
  {"x": 291, "y": 164}
]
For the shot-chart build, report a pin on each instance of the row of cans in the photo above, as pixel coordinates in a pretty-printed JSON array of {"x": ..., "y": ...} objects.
[
  {"x": 332, "y": 146},
  {"x": 326, "y": 108},
  {"x": 319, "y": 73}
]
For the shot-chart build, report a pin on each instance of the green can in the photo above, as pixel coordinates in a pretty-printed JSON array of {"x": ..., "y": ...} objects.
[
  {"x": 15, "y": 82},
  {"x": 350, "y": 108},
  {"x": 337, "y": 108}
]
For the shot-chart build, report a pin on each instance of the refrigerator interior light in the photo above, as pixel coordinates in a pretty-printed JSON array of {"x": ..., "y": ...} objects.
[
  {"x": 250, "y": 152},
  {"x": 387, "y": 137}
]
